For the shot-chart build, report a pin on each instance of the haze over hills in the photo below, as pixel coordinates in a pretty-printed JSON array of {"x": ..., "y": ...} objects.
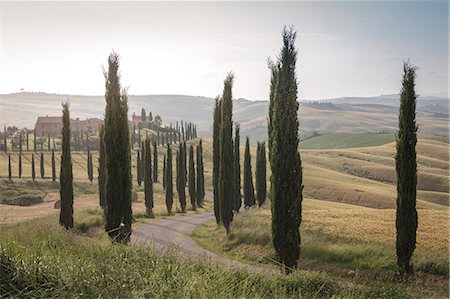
[{"x": 348, "y": 114}]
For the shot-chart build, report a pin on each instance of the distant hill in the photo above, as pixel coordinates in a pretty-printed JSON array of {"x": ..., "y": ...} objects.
[{"x": 342, "y": 115}]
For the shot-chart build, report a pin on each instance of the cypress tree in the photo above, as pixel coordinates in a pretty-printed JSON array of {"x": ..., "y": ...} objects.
[
  {"x": 90, "y": 167},
  {"x": 5, "y": 149},
  {"x": 155, "y": 163},
  {"x": 261, "y": 184},
  {"x": 101, "y": 167},
  {"x": 164, "y": 172},
  {"x": 9, "y": 167},
  {"x": 34, "y": 141},
  {"x": 286, "y": 180},
  {"x": 237, "y": 170},
  {"x": 274, "y": 67},
  {"x": 20, "y": 141},
  {"x": 118, "y": 213},
  {"x": 192, "y": 189},
  {"x": 249, "y": 190},
  {"x": 406, "y": 167},
  {"x": 181, "y": 176},
  {"x": 226, "y": 155},
  {"x": 138, "y": 169},
  {"x": 148, "y": 182},
  {"x": 28, "y": 141},
  {"x": 143, "y": 115},
  {"x": 20, "y": 165},
  {"x": 53, "y": 165},
  {"x": 42, "y": 165},
  {"x": 216, "y": 156},
  {"x": 48, "y": 142},
  {"x": 66, "y": 176},
  {"x": 33, "y": 168},
  {"x": 169, "y": 182},
  {"x": 200, "y": 175}
]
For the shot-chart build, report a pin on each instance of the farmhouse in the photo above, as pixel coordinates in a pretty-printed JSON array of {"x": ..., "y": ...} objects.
[{"x": 52, "y": 125}]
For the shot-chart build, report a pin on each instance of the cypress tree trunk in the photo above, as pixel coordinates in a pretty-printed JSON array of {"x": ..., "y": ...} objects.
[
  {"x": 148, "y": 182},
  {"x": 42, "y": 165},
  {"x": 169, "y": 182},
  {"x": 286, "y": 180},
  {"x": 9, "y": 167},
  {"x": 237, "y": 170},
  {"x": 249, "y": 189},
  {"x": 101, "y": 168},
  {"x": 261, "y": 185},
  {"x": 66, "y": 176},
  {"x": 192, "y": 191},
  {"x": 33, "y": 168},
  {"x": 164, "y": 172},
  {"x": 155, "y": 163},
  {"x": 200, "y": 175},
  {"x": 226, "y": 155},
  {"x": 216, "y": 156},
  {"x": 20, "y": 164},
  {"x": 53, "y": 165},
  {"x": 406, "y": 166},
  {"x": 118, "y": 213}
]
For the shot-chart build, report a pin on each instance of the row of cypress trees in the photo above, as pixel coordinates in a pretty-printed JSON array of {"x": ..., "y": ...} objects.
[
  {"x": 33, "y": 167},
  {"x": 171, "y": 135}
]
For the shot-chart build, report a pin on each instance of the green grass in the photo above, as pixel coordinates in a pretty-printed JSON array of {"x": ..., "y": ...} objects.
[
  {"x": 40, "y": 259},
  {"x": 346, "y": 140}
]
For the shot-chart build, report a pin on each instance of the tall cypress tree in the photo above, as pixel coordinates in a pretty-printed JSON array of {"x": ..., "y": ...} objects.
[
  {"x": 42, "y": 165},
  {"x": 20, "y": 165},
  {"x": 66, "y": 175},
  {"x": 53, "y": 165},
  {"x": 169, "y": 181},
  {"x": 90, "y": 167},
  {"x": 28, "y": 141},
  {"x": 181, "y": 176},
  {"x": 155, "y": 163},
  {"x": 101, "y": 167},
  {"x": 274, "y": 67},
  {"x": 216, "y": 155},
  {"x": 48, "y": 142},
  {"x": 406, "y": 166},
  {"x": 200, "y": 175},
  {"x": 237, "y": 170},
  {"x": 261, "y": 183},
  {"x": 226, "y": 155},
  {"x": 164, "y": 172},
  {"x": 148, "y": 182},
  {"x": 286, "y": 181},
  {"x": 33, "y": 168},
  {"x": 249, "y": 189},
  {"x": 138, "y": 168},
  {"x": 20, "y": 141},
  {"x": 34, "y": 141},
  {"x": 9, "y": 167},
  {"x": 118, "y": 213},
  {"x": 192, "y": 187}
]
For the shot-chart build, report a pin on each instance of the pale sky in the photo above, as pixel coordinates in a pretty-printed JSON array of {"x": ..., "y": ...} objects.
[{"x": 345, "y": 48}]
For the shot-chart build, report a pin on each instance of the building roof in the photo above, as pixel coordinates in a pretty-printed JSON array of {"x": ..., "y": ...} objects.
[{"x": 49, "y": 120}]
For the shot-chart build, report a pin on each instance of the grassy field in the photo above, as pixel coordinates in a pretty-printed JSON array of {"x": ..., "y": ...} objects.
[{"x": 346, "y": 140}]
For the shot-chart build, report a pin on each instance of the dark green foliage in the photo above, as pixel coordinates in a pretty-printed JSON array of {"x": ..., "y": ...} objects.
[
  {"x": 216, "y": 155},
  {"x": 192, "y": 187},
  {"x": 42, "y": 165},
  {"x": 406, "y": 166},
  {"x": 53, "y": 165},
  {"x": 164, "y": 172},
  {"x": 200, "y": 175},
  {"x": 181, "y": 176},
  {"x": 20, "y": 141},
  {"x": 28, "y": 141},
  {"x": 169, "y": 181},
  {"x": 34, "y": 141},
  {"x": 148, "y": 182},
  {"x": 9, "y": 167},
  {"x": 101, "y": 168},
  {"x": 155, "y": 163},
  {"x": 5, "y": 143},
  {"x": 273, "y": 84},
  {"x": 237, "y": 170},
  {"x": 118, "y": 213},
  {"x": 90, "y": 168},
  {"x": 226, "y": 155},
  {"x": 249, "y": 189},
  {"x": 143, "y": 115},
  {"x": 66, "y": 175},
  {"x": 261, "y": 184},
  {"x": 48, "y": 142},
  {"x": 286, "y": 181},
  {"x": 33, "y": 168},
  {"x": 20, "y": 165},
  {"x": 138, "y": 168}
]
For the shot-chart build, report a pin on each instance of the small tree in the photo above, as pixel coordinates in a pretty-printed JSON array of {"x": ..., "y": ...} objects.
[
  {"x": 28, "y": 141},
  {"x": 148, "y": 182},
  {"x": 20, "y": 165},
  {"x": 143, "y": 115},
  {"x": 138, "y": 168},
  {"x": 200, "y": 175},
  {"x": 42, "y": 165},
  {"x": 164, "y": 172},
  {"x": 155, "y": 162},
  {"x": 48, "y": 142},
  {"x": 192, "y": 189},
  {"x": 9, "y": 167},
  {"x": 406, "y": 167},
  {"x": 34, "y": 141},
  {"x": 249, "y": 190},
  {"x": 237, "y": 170},
  {"x": 33, "y": 168},
  {"x": 53, "y": 165},
  {"x": 90, "y": 167},
  {"x": 169, "y": 182},
  {"x": 66, "y": 176},
  {"x": 261, "y": 184}
]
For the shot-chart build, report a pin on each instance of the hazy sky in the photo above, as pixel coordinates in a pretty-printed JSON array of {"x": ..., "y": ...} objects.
[{"x": 345, "y": 48}]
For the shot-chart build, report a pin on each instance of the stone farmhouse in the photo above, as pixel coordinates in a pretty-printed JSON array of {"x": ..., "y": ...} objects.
[{"x": 52, "y": 125}]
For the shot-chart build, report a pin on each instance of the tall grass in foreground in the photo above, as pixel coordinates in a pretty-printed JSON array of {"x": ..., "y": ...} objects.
[{"x": 39, "y": 259}]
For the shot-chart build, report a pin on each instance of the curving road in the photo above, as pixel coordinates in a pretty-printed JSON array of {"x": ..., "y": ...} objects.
[{"x": 172, "y": 233}]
